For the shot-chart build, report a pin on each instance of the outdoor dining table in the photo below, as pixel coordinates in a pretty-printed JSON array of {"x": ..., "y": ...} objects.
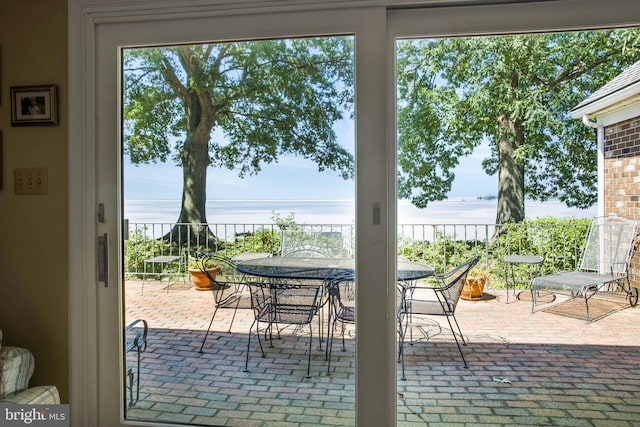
[
  {"x": 322, "y": 268},
  {"x": 328, "y": 270}
]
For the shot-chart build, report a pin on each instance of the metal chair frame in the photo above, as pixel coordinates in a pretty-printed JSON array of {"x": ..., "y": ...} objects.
[
  {"x": 311, "y": 251},
  {"x": 137, "y": 343},
  {"x": 342, "y": 310},
  {"x": 447, "y": 289},
  {"x": 326, "y": 242},
  {"x": 227, "y": 287},
  {"x": 604, "y": 265},
  {"x": 165, "y": 261},
  {"x": 279, "y": 302}
]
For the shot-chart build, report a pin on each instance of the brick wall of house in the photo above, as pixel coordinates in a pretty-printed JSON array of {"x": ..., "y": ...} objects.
[{"x": 622, "y": 176}]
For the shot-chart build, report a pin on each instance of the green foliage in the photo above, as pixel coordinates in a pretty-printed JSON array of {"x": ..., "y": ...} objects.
[
  {"x": 281, "y": 222},
  {"x": 482, "y": 270},
  {"x": 261, "y": 240},
  {"x": 514, "y": 92},
  {"x": 204, "y": 262},
  {"x": 560, "y": 241},
  {"x": 442, "y": 252},
  {"x": 140, "y": 247}
]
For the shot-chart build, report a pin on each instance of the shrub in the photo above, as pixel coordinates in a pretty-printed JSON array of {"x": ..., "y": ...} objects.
[
  {"x": 559, "y": 240},
  {"x": 139, "y": 247}
]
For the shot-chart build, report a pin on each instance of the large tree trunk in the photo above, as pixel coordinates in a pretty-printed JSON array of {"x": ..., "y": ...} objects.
[
  {"x": 193, "y": 217},
  {"x": 195, "y": 160},
  {"x": 510, "y": 174},
  {"x": 200, "y": 118},
  {"x": 192, "y": 223}
]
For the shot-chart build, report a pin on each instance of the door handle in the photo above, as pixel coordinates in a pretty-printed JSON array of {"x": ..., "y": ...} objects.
[{"x": 103, "y": 259}]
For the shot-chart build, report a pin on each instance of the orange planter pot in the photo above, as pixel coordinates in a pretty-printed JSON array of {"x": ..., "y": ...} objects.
[
  {"x": 200, "y": 280},
  {"x": 473, "y": 288}
]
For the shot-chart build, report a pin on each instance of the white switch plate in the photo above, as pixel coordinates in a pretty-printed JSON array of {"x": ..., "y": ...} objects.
[{"x": 31, "y": 181}]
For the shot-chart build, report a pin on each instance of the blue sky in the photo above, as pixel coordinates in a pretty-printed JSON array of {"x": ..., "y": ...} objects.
[{"x": 290, "y": 178}]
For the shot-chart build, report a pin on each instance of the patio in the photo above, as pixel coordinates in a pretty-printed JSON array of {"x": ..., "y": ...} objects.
[{"x": 547, "y": 368}]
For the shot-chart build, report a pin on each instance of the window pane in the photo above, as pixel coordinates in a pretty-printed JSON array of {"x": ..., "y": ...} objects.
[
  {"x": 488, "y": 140},
  {"x": 238, "y": 151}
]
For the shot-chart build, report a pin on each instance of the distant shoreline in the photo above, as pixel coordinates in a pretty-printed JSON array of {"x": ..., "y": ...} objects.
[
  {"x": 451, "y": 211},
  {"x": 451, "y": 199}
]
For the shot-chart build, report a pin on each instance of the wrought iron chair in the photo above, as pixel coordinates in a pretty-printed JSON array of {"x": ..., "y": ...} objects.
[
  {"x": 282, "y": 303},
  {"x": 604, "y": 266},
  {"x": 310, "y": 251},
  {"x": 165, "y": 262},
  {"x": 342, "y": 309},
  {"x": 136, "y": 341},
  {"x": 316, "y": 243},
  {"x": 447, "y": 289},
  {"x": 227, "y": 286}
]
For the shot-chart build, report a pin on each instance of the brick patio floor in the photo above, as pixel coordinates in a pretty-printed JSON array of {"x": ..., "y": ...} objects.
[{"x": 547, "y": 368}]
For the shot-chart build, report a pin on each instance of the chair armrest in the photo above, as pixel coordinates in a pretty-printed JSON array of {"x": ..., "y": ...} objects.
[
  {"x": 16, "y": 368},
  {"x": 139, "y": 341},
  {"x": 435, "y": 283},
  {"x": 38, "y": 395}
]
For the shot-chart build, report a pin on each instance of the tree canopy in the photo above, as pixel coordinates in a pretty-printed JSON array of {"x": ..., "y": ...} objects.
[
  {"x": 237, "y": 105},
  {"x": 514, "y": 92}
]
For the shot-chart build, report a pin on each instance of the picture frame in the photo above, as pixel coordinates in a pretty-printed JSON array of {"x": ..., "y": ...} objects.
[
  {"x": 1, "y": 161},
  {"x": 34, "y": 105}
]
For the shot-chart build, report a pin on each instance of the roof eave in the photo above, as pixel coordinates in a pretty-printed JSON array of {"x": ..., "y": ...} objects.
[{"x": 598, "y": 105}]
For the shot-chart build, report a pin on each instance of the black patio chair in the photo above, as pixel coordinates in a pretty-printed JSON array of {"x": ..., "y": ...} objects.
[
  {"x": 136, "y": 341},
  {"x": 316, "y": 243},
  {"x": 310, "y": 251},
  {"x": 227, "y": 286},
  {"x": 342, "y": 309},
  {"x": 447, "y": 290},
  {"x": 282, "y": 303}
]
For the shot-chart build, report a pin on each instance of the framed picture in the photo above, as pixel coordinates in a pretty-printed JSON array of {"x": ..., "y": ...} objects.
[{"x": 34, "y": 105}]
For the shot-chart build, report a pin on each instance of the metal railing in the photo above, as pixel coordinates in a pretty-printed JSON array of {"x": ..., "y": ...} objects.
[{"x": 440, "y": 245}]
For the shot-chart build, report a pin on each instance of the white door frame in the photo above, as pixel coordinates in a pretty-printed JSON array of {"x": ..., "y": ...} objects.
[
  {"x": 92, "y": 24},
  {"x": 95, "y": 147}
]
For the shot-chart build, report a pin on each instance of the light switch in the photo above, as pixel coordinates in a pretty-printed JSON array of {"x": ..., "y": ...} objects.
[{"x": 31, "y": 181}]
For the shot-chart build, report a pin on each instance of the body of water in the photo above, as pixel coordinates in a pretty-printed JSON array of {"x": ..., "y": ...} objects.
[{"x": 452, "y": 211}]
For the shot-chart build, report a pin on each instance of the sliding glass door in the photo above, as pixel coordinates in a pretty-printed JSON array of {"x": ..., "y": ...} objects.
[
  {"x": 271, "y": 94},
  {"x": 103, "y": 39},
  {"x": 250, "y": 124},
  {"x": 493, "y": 84}
]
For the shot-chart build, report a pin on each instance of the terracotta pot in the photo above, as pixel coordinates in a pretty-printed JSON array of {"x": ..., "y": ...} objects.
[
  {"x": 200, "y": 280},
  {"x": 473, "y": 288}
]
